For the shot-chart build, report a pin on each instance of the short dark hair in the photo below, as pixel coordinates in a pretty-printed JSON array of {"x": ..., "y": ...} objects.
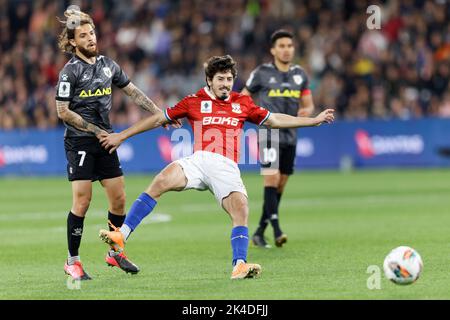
[
  {"x": 217, "y": 64},
  {"x": 281, "y": 33}
]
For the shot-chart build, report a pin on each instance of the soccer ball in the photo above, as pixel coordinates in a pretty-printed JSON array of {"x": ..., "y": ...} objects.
[{"x": 403, "y": 265}]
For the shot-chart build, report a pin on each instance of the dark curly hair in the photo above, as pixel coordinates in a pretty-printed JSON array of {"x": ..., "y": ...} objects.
[{"x": 217, "y": 64}]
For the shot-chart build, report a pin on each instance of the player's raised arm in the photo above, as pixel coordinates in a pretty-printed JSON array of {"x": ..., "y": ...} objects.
[
  {"x": 114, "y": 140},
  {"x": 280, "y": 120},
  {"x": 145, "y": 102},
  {"x": 75, "y": 120}
]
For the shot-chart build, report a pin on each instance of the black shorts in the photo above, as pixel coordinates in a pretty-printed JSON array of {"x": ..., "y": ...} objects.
[
  {"x": 87, "y": 160},
  {"x": 282, "y": 158}
]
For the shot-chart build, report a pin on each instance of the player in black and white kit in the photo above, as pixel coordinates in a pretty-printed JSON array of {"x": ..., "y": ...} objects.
[
  {"x": 281, "y": 87},
  {"x": 83, "y": 101}
]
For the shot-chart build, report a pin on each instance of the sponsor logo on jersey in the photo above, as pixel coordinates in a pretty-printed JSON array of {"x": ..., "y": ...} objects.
[
  {"x": 85, "y": 77},
  {"x": 97, "y": 93},
  {"x": 206, "y": 107},
  {"x": 221, "y": 120},
  {"x": 298, "y": 79},
  {"x": 275, "y": 93},
  {"x": 64, "y": 77},
  {"x": 272, "y": 80},
  {"x": 236, "y": 108},
  {"x": 107, "y": 72}
]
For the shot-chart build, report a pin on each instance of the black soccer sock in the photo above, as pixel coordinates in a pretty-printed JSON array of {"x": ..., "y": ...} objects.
[
  {"x": 116, "y": 220},
  {"x": 275, "y": 222},
  {"x": 279, "y": 200},
  {"x": 74, "y": 233},
  {"x": 263, "y": 221},
  {"x": 271, "y": 200},
  {"x": 270, "y": 206}
]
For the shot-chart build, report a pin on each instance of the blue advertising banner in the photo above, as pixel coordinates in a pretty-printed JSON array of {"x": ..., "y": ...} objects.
[{"x": 365, "y": 144}]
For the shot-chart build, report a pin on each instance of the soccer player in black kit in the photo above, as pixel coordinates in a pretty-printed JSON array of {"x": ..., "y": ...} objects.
[
  {"x": 281, "y": 87},
  {"x": 83, "y": 102}
]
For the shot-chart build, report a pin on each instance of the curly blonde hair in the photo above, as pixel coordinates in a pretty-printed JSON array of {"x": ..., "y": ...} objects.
[{"x": 75, "y": 18}]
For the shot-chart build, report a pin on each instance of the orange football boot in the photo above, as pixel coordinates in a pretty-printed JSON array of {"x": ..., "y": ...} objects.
[
  {"x": 113, "y": 238},
  {"x": 246, "y": 270}
]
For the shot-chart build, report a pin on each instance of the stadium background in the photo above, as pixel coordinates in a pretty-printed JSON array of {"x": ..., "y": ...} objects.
[
  {"x": 372, "y": 77},
  {"x": 391, "y": 91}
]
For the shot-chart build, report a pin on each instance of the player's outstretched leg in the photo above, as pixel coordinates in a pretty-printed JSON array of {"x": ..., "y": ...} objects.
[
  {"x": 171, "y": 178},
  {"x": 118, "y": 258},
  {"x": 237, "y": 207},
  {"x": 115, "y": 191},
  {"x": 141, "y": 208}
]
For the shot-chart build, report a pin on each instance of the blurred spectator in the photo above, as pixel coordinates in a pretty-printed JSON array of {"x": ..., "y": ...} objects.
[{"x": 400, "y": 71}]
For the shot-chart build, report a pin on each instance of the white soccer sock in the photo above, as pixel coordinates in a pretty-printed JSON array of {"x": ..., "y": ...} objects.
[
  {"x": 72, "y": 260},
  {"x": 125, "y": 230},
  {"x": 238, "y": 262}
]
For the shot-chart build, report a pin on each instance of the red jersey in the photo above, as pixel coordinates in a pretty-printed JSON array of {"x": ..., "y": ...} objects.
[{"x": 217, "y": 124}]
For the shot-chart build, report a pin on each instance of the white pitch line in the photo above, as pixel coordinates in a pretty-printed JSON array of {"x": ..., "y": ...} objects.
[
  {"x": 153, "y": 218},
  {"x": 31, "y": 216},
  {"x": 334, "y": 202}
]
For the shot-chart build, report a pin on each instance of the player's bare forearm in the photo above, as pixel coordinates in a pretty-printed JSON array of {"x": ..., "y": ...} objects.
[
  {"x": 307, "y": 106},
  {"x": 140, "y": 98},
  {"x": 114, "y": 140},
  {"x": 280, "y": 120},
  {"x": 75, "y": 120},
  {"x": 145, "y": 124}
]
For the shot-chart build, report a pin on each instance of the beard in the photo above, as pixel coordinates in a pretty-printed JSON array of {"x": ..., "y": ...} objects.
[
  {"x": 223, "y": 96},
  {"x": 89, "y": 53},
  {"x": 285, "y": 61}
]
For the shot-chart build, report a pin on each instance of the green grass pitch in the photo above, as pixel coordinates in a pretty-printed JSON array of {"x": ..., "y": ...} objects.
[{"x": 338, "y": 225}]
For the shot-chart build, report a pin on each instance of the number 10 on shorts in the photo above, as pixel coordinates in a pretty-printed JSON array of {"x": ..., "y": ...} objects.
[
  {"x": 269, "y": 155},
  {"x": 269, "y": 151}
]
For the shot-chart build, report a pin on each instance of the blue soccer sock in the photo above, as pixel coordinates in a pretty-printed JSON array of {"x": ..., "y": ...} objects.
[
  {"x": 141, "y": 208},
  {"x": 239, "y": 243}
]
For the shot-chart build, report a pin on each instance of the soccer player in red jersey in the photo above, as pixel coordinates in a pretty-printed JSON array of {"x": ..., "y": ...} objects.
[{"x": 217, "y": 116}]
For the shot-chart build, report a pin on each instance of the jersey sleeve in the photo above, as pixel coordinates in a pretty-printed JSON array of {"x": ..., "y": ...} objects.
[
  {"x": 120, "y": 78},
  {"x": 66, "y": 84},
  {"x": 257, "y": 115},
  {"x": 180, "y": 110},
  {"x": 305, "y": 85},
  {"x": 253, "y": 83}
]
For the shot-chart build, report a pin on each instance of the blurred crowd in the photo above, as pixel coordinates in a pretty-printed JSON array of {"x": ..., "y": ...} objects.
[{"x": 398, "y": 71}]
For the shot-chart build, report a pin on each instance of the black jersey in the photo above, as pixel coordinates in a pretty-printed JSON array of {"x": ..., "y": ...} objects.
[
  {"x": 279, "y": 92},
  {"x": 88, "y": 88}
]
